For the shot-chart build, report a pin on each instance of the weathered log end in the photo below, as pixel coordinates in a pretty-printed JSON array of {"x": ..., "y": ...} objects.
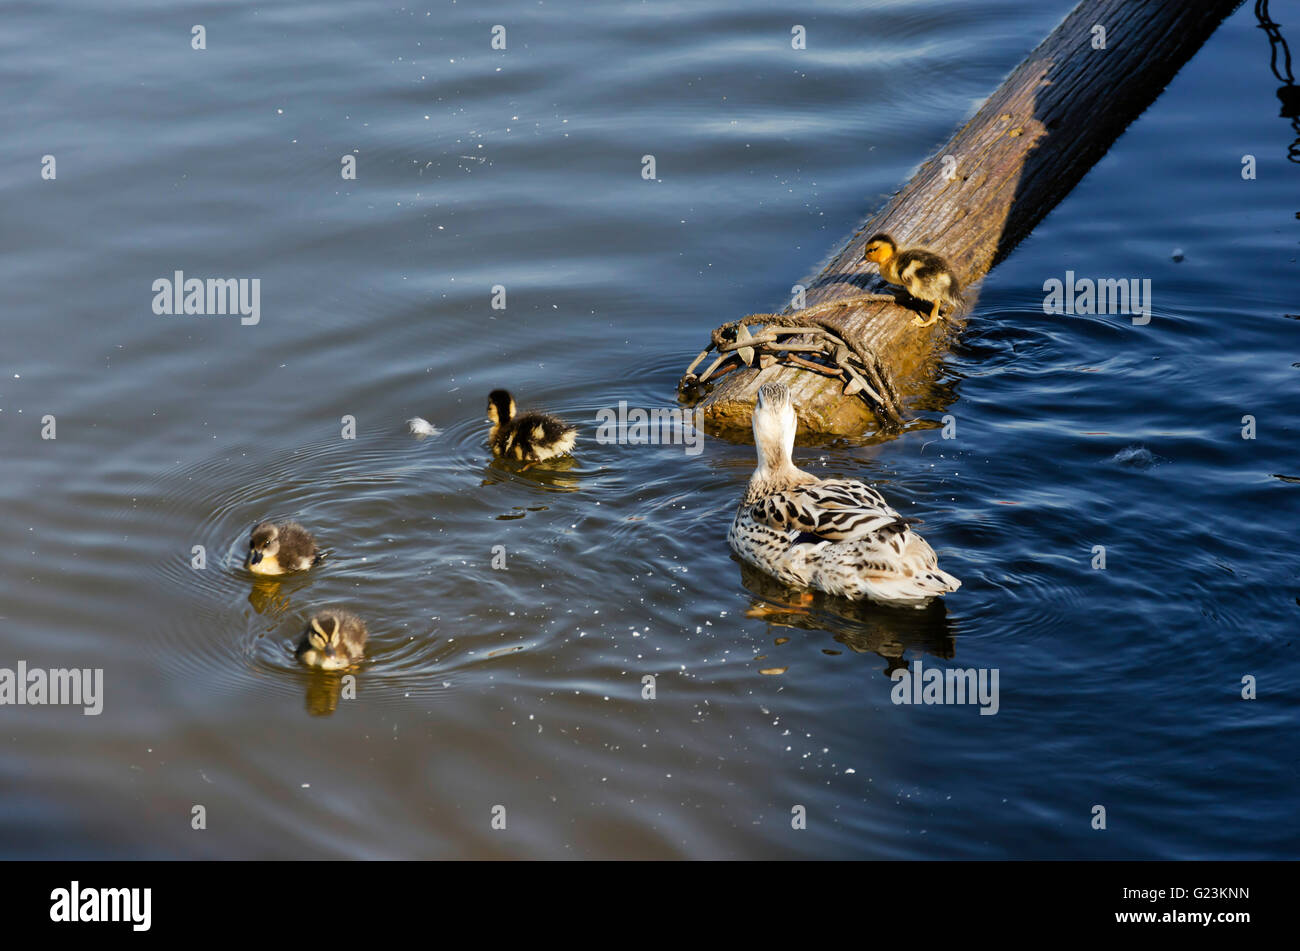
[{"x": 985, "y": 190}]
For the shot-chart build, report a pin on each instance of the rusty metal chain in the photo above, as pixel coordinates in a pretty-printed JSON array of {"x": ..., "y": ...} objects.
[{"x": 1280, "y": 64}]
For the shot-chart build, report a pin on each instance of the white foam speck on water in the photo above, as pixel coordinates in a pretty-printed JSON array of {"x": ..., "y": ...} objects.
[
  {"x": 421, "y": 428},
  {"x": 1137, "y": 457}
]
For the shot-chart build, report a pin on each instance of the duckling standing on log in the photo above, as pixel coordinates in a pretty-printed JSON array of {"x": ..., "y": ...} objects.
[
  {"x": 836, "y": 535},
  {"x": 924, "y": 274},
  {"x": 277, "y": 548},
  {"x": 333, "y": 640},
  {"x": 532, "y": 437}
]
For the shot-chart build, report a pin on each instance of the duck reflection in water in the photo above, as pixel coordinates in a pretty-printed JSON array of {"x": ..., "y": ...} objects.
[
  {"x": 563, "y": 474},
  {"x": 324, "y": 690},
  {"x": 268, "y": 597},
  {"x": 864, "y": 627}
]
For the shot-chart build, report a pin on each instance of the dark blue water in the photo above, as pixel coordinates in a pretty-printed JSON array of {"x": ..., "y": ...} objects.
[{"x": 522, "y": 687}]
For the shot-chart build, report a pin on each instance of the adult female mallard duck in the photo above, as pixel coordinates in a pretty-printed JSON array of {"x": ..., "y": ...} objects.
[
  {"x": 924, "y": 274},
  {"x": 835, "y": 535},
  {"x": 532, "y": 437}
]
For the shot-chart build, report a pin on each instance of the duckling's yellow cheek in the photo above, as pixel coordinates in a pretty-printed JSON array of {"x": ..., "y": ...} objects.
[{"x": 269, "y": 565}]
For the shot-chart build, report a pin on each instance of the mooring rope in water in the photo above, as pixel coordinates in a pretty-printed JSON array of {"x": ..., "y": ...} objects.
[{"x": 845, "y": 358}]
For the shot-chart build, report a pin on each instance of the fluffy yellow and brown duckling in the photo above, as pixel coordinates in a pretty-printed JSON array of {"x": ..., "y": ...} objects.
[
  {"x": 924, "y": 274},
  {"x": 532, "y": 437},
  {"x": 275, "y": 548},
  {"x": 333, "y": 640}
]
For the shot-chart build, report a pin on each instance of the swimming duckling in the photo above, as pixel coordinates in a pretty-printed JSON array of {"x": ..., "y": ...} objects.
[
  {"x": 333, "y": 640},
  {"x": 531, "y": 437},
  {"x": 277, "y": 548},
  {"x": 924, "y": 274},
  {"x": 836, "y": 535}
]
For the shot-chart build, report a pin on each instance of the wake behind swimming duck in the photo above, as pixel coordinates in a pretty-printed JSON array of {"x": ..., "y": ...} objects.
[{"x": 834, "y": 535}]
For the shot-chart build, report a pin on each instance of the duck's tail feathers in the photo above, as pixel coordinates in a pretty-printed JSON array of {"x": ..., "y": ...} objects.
[
  {"x": 858, "y": 571},
  {"x": 956, "y": 300},
  {"x": 931, "y": 583}
]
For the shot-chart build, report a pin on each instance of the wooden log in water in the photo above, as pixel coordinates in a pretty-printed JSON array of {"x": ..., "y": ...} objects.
[{"x": 1030, "y": 143}]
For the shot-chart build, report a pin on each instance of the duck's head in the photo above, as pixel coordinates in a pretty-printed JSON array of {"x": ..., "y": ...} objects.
[
  {"x": 774, "y": 426},
  {"x": 264, "y": 540},
  {"x": 321, "y": 642},
  {"x": 500, "y": 408},
  {"x": 880, "y": 248}
]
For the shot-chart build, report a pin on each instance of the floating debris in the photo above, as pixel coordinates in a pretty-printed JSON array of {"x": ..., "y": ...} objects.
[
  {"x": 1136, "y": 457},
  {"x": 421, "y": 428}
]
